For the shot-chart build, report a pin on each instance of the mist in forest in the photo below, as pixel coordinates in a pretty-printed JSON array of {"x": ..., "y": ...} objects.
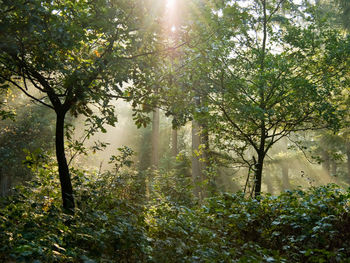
[
  {"x": 285, "y": 169},
  {"x": 124, "y": 133}
]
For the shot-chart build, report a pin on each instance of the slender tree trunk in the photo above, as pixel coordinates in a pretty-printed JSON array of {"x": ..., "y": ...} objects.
[
  {"x": 333, "y": 167},
  {"x": 5, "y": 184},
  {"x": 285, "y": 176},
  {"x": 348, "y": 161},
  {"x": 205, "y": 163},
  {"x": 269, "y": 184},
  {"x": 155, "y": 139},
  {"x": 2, "y": 183},
  {"x": 326, "y": 161},
  {"x": 205, "y": 141},
  {"x": 65, "y": 180},
  {"x": 174, "y": 149},
  {"x": 196, "y": 166},
  {"x": 261, "y": 150},
  {"x": 258, "y": 172}
]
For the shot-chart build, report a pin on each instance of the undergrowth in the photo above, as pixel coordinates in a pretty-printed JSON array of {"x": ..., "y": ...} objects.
[{"x": 116, "y": 220}]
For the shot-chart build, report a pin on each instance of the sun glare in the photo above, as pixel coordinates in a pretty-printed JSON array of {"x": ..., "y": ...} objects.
[
  {"x": 171, "y": 21},
  {"x": 170, "y": 4}
]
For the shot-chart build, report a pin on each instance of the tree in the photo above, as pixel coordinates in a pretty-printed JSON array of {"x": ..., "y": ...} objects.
[
  {"x": 71, "y": 56},
  {"x": 270, "y": 69}
]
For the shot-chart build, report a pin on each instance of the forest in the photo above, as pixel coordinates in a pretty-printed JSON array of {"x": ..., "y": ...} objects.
[{"x": 174, "y": 131}]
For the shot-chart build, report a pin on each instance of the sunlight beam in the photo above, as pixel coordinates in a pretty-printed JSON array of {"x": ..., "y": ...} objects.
[{"x": 170, "y": 4}]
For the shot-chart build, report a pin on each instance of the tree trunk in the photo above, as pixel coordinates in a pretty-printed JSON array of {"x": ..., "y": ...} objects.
[
  {"x": 285, "y": 176},
  {"x": 174, "y": 150},
  {"x": 196, "y": 165},
  {"x": 326, "y": 161},
  {"x": 63, "y": 170},
  {"x": 348, "y": 161},
  {"x": 258, "y": 172},
  {"x": 269, "y": 183},
  {"x": 205, "y": 141},
  {"x": 333, "y": 167},
  {"x": 205, "y": 163},
  {"x": 5, "y": 184},
  {"x": 155, "y": 139}
]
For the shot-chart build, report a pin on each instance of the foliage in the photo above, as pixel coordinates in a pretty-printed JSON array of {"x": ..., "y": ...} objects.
[
  {"x": 73, "y": 55},
  {"x": 31, "y": 129},
  {"x": 107, "y": 226},
  {"x": 114, "y": 223},
  {"x": 249, "y": 75},
  {"x": 263, "y": 71},
  {"x": 297, "y": 226},
  {"x": 6, "y": 112},
  {"x": 172, "y": 187}
]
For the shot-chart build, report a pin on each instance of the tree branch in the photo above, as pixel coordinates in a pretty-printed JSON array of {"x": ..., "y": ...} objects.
[{"x": 26, "y": 93}]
